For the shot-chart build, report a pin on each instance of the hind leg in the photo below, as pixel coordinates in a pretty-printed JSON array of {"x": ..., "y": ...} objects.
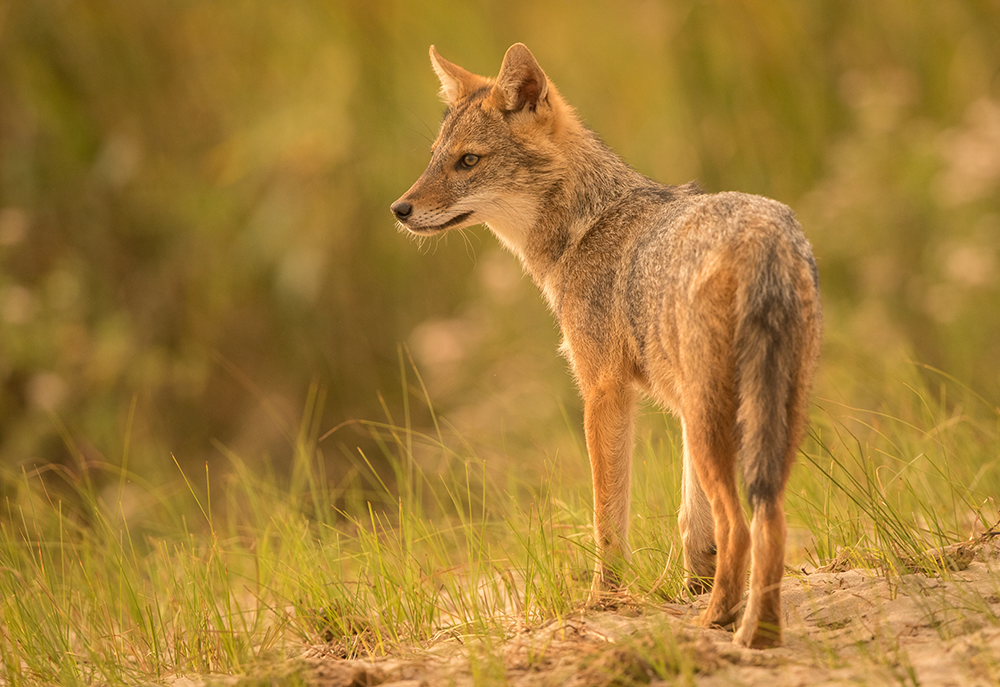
[
  {"x": 761, "y": 624},
  {"x": 710, "y": 445},
  {"x": 714, "y": 456},
  {"x": 708, "y": 407},
  {"x": 697, "y": 528}
]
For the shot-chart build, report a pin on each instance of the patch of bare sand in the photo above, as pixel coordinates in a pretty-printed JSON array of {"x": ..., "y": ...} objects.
[{"x": 841, "y": 627}]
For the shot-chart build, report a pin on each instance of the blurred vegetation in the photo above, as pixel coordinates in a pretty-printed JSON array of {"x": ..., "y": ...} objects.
[{"x": 194, "y": 224}]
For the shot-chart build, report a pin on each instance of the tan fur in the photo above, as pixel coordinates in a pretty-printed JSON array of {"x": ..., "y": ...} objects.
[{"x": 709, "y": 303}]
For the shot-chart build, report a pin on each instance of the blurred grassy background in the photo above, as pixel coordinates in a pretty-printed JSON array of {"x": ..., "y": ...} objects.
[{"x": 194, "y": 222}]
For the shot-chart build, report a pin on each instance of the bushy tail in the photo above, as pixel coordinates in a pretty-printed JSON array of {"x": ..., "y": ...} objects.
[{"x": 772, "y": 343}]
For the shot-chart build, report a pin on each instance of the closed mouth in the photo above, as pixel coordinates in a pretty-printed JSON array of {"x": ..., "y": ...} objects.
[{"x": 454, "y": 221}]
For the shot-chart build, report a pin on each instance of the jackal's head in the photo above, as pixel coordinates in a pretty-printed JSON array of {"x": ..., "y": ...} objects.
[{"x": 493, "y": 159}]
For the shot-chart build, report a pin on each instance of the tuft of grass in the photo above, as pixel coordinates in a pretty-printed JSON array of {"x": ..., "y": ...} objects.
[{"x": 658, "y": 654}]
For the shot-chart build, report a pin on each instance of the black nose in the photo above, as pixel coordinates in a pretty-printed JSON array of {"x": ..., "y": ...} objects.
[{"x": 402, "y": 210}]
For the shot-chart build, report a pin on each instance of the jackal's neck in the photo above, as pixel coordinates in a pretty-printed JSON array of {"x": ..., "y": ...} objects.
[{"x": 585, "y": 183}]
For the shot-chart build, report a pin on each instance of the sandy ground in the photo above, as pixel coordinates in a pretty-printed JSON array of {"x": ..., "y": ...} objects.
[{"x": 842, "y": 627}]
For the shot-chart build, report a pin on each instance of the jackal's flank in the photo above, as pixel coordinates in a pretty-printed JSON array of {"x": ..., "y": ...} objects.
[{"x": 709, "y": 303}]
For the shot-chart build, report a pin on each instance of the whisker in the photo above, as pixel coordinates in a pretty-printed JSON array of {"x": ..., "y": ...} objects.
[{"x": 470, "y": 250}]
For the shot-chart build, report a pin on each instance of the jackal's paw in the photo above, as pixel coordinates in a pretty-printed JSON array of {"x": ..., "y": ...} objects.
[
  {"x": 697, "y": 586},
  {"x": 700, "y": 565},
  {"x": 717, "y": 617},
  {"x": 609, "y": 600},
  {"x": 606, "y": 591},
  {"x": 758, "y": 635}
]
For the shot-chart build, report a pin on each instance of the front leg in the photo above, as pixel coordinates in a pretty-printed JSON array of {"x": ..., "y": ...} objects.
[{"x": 608, "y": 414}]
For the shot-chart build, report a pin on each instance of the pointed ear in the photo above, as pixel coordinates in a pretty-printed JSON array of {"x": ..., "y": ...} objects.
[
  {"x": 521, "y": 82},
  {"x": 456, "y": 82}
]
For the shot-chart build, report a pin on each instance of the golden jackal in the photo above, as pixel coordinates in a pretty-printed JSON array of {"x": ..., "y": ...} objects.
[{"x": 707, "y": 302}]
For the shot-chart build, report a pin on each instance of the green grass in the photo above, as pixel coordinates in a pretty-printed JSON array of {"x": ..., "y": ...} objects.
[
  {"x": 137, "y": 582},
  {"x": 880, "y": 487}
]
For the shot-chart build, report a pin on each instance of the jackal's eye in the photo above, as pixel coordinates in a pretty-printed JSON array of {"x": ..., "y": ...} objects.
[{"x": 468, "y": 161}]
